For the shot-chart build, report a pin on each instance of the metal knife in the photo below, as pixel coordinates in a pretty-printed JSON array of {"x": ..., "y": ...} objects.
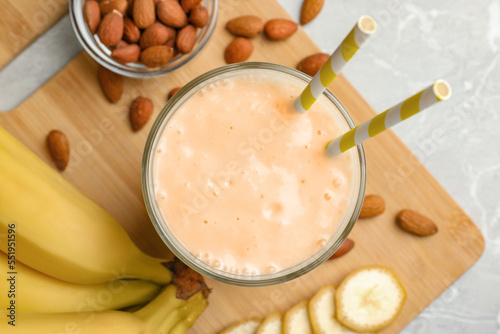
[{"x": 37, "y": 64}]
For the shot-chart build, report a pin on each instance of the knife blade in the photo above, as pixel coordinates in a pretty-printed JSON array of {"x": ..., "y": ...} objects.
[{"x": 37, "y": 64}]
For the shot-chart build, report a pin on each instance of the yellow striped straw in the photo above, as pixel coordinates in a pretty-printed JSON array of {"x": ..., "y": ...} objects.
[
  {"x": 364, "y": 28},
  {"x": 439, "y": 91}
]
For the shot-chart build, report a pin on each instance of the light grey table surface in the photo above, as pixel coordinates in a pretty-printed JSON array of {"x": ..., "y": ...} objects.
[
  {"x": 418, "y": 42},
  {"x": 458, "y": 141}
]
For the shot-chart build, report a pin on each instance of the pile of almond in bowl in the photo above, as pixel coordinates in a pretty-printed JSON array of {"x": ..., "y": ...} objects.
[{"x": 151, "y": 32}]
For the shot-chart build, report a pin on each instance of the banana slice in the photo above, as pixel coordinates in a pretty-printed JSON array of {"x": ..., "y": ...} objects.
[
  {"x": 322, "y": 313},
  {"x": 271, "y": 324},
  {"x": 369, "y": 299},
  {"x": 248, "y": 326},
  {"x": 296, "y": 320}
]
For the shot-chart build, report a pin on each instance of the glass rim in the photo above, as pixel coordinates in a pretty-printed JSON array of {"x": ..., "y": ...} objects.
[
  {"x": 90, "y": 45},
  {"x": 175, "y": 245}
]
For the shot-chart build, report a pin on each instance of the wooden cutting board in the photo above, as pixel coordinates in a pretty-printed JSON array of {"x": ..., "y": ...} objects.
[
  {"x": 24, "y": 21},
  {"x": 106, "y": 165}
]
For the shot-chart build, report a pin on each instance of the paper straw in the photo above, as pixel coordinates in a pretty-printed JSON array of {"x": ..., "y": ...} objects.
[
  {"x": 439, "y": 91},
  {"x": 364, "y": 28}
]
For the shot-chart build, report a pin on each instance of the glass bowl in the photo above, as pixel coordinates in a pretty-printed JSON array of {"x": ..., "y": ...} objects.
[
  {"x": 102, "y": 54},
  {"x": 178, "y": 248}
]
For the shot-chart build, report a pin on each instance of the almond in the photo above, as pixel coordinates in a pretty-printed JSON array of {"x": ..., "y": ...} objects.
[
  {"x": 127, "y": 54},
  {"x": 198, "y": 16},
  {"x": 92, "y": 15},
  {"x": 156, "y": 34},
  {"x": 171, "y": 44},
  {"x": 246, "y": 26},
  {"x": 111, "y": 84},
  {"x": 130, "y": 9},
  {"x": 107, "y": 6},
  {"x": 413, "y": 222},
  {"x": 157, "y": 55},
  {"x": 345, "y": 248},
  {"x": 187, "y": 5},
  {"x": 173, "y": 91},
  {"x": 144, "y": 13},
  {"x": 176, "y": 51},
  {"x": 140, "y": 112},
  {"x": 310, "y": 9},
  {"x": 186, "y": 38},
  {"x": 277, "y": 29},
  {"x": 172, "y": 14},
  {"x": 311, "y": 65},
  {"x": 110, "y": 30},
  {"x": 121, "y": 44},
  {"x": 238, "y": 50},
  {"x": 58, "y": 145},
  {"x": 373, "y": 205},
  {"x": 130, "y": 31}
]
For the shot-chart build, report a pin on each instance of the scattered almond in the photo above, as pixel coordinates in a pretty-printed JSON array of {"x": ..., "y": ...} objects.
[
  {"x": 173, "y": 91},
  {"x": 107, "y": 6},
  {"x": 277, "y": 29},
  {"x": 240, "y": 49},
  {"x": 131, "y": 33},
  {"x": 171, "y": 14},
  {"x": 187, "y": 5},
  {"x": 127, "y": 54},
  {"x": 140, "y": 112},
  {"x": 92, "y": 15},
  {"x": 110, "y": 30},
  {"x": 413, "y": 222},
  {"x": 198, "y": 16},
  {"x": 144, "y": 13},
  {"x": 311, "y": 65},
  {"x": 58, "y": 145},
  {"x": 245, "y": 26},
  {"x": 155, "y": 34},
  {"x": 157, "y": 55},
  {"x": 186, "y": 38},
  {"x": 310, "y": 9},
  {"x": 345, "y": 248},
  {"x": 111, "y": 84},
  {"x": 373, "y": 205}
]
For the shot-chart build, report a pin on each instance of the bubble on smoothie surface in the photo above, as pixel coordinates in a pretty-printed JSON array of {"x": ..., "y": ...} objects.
[{"x": 321, "y": 242}]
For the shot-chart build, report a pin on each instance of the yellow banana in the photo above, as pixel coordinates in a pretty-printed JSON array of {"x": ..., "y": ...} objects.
[
  {"x": 109, "y": 322},
  {"x": 36, "y": 292},
  {"x": 190, "y": 313},
  {"x": 181, "y": 314},
  {"x": 58, "y": 230},
  {"x": 149, "y": 320}
]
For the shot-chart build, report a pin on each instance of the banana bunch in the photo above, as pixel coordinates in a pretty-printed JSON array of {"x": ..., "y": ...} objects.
[
  {"x": 60, "y": 231},
  {"x": 66, "y": 265}
]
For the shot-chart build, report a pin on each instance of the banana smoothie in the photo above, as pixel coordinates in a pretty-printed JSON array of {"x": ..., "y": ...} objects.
[{"x": 243, "y": 181}]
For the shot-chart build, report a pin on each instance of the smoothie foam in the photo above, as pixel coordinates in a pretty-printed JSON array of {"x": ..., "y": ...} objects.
[{"x": 243, "y": 180}]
